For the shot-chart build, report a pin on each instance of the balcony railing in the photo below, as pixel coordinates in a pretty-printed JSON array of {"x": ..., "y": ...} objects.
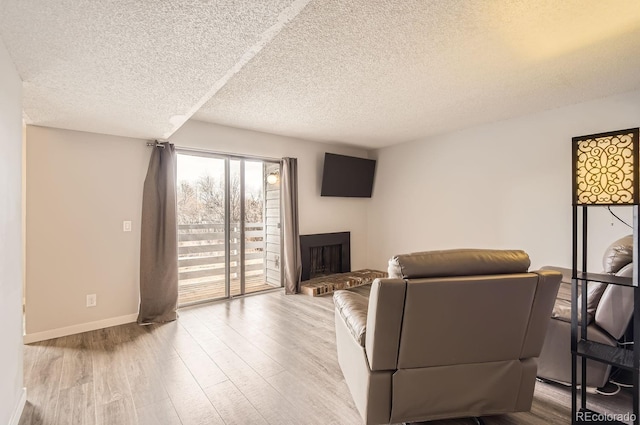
[{"x": 201, "y": 260}]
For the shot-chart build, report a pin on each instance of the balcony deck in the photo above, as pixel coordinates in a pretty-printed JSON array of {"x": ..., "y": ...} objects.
[
  {"x": 201, "y": 261},
  {"x": 198, "y": 292}
]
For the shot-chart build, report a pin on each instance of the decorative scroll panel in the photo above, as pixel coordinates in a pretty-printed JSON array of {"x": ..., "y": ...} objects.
[{"x": 605, "y": 169}]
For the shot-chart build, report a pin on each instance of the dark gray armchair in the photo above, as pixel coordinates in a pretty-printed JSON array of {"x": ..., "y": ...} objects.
[{"x": 609, "y": 311}]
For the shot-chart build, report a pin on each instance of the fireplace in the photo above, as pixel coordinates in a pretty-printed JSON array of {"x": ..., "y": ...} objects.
[{"x": 325, "y": 253}]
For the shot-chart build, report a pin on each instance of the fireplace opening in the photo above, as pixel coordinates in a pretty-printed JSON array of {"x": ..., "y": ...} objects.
[
  {"x": 325, "y": 260},
  {"x": 324, "y": 254}
]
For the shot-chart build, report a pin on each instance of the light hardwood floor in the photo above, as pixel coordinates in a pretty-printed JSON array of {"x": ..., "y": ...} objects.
[{"x": 263, "y": 359}]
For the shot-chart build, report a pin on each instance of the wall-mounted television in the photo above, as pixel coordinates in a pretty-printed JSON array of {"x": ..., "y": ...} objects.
[{"x": 347, "y": 176}]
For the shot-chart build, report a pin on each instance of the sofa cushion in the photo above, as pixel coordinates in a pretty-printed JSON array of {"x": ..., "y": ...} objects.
[
  {"x": 595, "y": 290},
  {"x": 352, "y": 308},
  {"x": 562, "y": 306},
  {"x": 618, "y": 255},
  {"x": 458, "y": 262},
  {"x": 594, "y": 294}
]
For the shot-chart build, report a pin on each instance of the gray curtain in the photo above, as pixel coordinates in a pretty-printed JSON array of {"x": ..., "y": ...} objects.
[
  {"x": 290, "y": 227},
  {"x": 159, "y": 239}
]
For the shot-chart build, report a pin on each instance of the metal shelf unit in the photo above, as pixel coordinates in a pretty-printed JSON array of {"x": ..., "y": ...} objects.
[{"x": 582, "y": 348}]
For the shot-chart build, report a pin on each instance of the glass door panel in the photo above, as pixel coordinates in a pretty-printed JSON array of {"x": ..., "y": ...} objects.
[
  {"x": 228, "y": 227},
  {"x": 235, "y": 229},
  {"x": 201, "y": 228},
  {"x": 272, "y": 270},
  {"x": 255, "y": 240}
]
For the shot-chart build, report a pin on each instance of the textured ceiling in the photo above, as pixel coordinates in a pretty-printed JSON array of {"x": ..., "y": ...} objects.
[
  {"x": 130, "y": 67},
  {"x": 363, "y": 72}
]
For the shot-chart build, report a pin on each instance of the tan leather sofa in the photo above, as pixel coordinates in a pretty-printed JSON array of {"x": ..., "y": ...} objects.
[
  {"x": 609, "y": 311},
  {"x": 449, "y": 334}
]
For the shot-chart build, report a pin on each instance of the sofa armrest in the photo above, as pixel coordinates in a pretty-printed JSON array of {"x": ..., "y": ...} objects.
[
  {"x": 384, "y": 322},
  {"x": 543, "y": 302},
  {"x": 352, "y": 310},
  {"x": 562, "y": 308}
]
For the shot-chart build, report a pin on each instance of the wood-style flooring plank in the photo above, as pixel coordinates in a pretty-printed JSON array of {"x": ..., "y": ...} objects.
[
  {"x": 315, "y": 359},
  {"x": 158, "y": 413},
  {"x": 189, "y": 400},
  {"x": 114, "y": 401},
  {"x": 76, "y": 405},
  {"x": 202, "y": 367},
  {"x": 77, "y": 364},
  {"x": 143, "y": 367},
  {"x": 233, "y": 406},
  {"x": 271, "y": 405},
  {"x": 314, "y": 399},
  {"x": 43, "y": 378},
  {"x": 263, "y": 359}
]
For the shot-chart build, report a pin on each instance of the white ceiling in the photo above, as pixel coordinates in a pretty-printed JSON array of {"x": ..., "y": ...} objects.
[{"x": 363, "y": 72}]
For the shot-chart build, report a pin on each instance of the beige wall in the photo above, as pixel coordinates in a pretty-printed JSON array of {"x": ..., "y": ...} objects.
[
  {"x": 81, "y": 186},
  {"x": 502, "y": 185},
  {"x": 11, "y": 350}
]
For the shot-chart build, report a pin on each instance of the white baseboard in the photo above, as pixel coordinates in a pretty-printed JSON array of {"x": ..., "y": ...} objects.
[
  {"x": 17, "y": 412},
  {"x": 82, "y": 327}
]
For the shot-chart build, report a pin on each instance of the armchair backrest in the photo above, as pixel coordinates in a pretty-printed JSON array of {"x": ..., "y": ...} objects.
[
  {"x": 457, "y": 307},
  {"x": 473, "y": 319}
]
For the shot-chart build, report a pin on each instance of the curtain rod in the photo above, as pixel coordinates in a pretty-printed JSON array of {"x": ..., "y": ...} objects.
[
  {"x": 186, "y": 150},
  {"x": 231, "y": 155}
]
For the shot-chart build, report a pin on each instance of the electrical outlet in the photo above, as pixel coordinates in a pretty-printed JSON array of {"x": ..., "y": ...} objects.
[
  {"x": 92, "y": 300},
  {"x": 126, "y": 226}
]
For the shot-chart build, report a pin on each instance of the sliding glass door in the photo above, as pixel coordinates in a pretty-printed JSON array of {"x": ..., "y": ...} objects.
[{"x": 228, "y": 226}]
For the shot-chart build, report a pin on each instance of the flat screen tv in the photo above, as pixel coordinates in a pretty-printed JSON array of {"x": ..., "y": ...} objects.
[{"x": 347, "y": 176}]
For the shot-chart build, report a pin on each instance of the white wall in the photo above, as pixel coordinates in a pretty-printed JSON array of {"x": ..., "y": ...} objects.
[
  {"x": 501, "y": 185},
  {"x": 81, "y": 186},
  {"x": 11, "y": 350}
]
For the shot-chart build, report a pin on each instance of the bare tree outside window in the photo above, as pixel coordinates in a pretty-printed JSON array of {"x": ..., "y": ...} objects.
[{"x": 203, "y": 202}]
